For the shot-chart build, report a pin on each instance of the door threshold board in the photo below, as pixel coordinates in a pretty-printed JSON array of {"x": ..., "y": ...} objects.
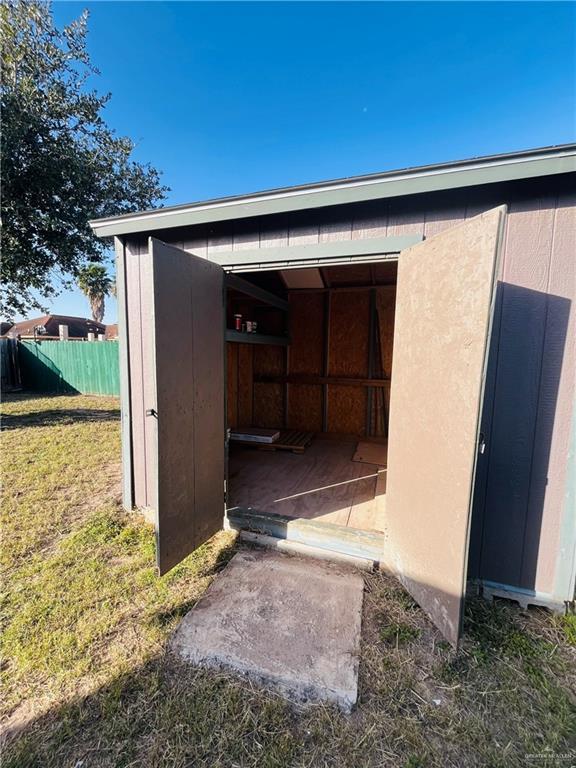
[{"x": 350, "y": 542}]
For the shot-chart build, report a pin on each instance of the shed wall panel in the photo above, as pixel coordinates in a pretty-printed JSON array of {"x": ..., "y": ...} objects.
[
  {"x": 556, "y": 393},
  {"x": 268, "y": 396},
  {"x": 148, "y": 382},
  {"x": 346, "y": 410},
  {"x": 135, "y": 330},
  {"x": 334, "y": 231},
  {"x": 245, "y": 384},
  {"x": 348, "y": 338},
  {"x": 272, "y": 235},
  {"x": 305, "y": 357},
  {"x": 521, "y": 339}
]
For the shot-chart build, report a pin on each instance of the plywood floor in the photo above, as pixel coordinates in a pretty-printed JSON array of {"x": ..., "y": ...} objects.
[{"x": 322, "y": 484}]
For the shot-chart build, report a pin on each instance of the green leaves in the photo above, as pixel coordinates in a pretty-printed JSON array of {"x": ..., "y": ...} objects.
[
  {"x": 95, "y": 283},
  {"x": 61, "y": 164}
]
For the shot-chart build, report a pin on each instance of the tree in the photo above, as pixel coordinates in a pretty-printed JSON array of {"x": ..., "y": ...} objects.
[
  {"x": 61, "y": 163},
  {"x": 96, "y": 284}
]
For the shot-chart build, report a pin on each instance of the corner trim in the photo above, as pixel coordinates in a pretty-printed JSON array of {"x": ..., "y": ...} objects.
[{"x": 124, "y": 364}]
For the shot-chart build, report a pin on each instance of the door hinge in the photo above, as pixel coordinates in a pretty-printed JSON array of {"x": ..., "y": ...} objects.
[{"x": 152, "y": 412}]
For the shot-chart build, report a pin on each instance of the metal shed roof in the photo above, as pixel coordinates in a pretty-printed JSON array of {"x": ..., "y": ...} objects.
[{"x": 512, "y": 166}]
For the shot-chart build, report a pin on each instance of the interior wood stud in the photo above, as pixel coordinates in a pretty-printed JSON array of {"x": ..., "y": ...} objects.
[
  {"x": 369, "y": 394},
  {"x": 325, "y": 339}
]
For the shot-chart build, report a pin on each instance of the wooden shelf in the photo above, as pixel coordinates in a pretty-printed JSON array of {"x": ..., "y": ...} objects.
[
  {"x": 256, "y": 338},
  {"x": 248, "y": 289}
]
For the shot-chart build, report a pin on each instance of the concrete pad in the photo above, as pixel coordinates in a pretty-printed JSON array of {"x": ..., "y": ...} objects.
[{"x": 289, "y": 623}]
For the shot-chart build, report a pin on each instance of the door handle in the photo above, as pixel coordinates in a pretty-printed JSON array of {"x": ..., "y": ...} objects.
[
  {"x": 481, "y": 443},
  {"x": 152, "y": 412}
]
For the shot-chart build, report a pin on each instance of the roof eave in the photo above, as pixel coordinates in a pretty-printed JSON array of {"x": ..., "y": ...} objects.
[{"x": 500, "y": 168}]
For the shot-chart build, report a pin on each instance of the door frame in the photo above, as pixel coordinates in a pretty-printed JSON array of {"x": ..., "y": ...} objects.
[
  {"x": 365, "y": 549},
  {"x": 369, "y": 250}
]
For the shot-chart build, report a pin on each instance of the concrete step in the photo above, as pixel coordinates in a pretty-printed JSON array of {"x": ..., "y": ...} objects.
[
  {"x": 288, "y": 623},
  {"x": 348, "y": 542}
]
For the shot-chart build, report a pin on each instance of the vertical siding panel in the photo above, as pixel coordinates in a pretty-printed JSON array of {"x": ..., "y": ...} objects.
[
  {"x": 366, "y": 225},
  {"x": 437, "y": 220},
  {"x": 332, "y": 231},
  {"x": 486, "y": 423},
  {"x": 300, "y": 234},
  {"x": 480, "y": 202},
  {"x": 149, "y": 373},
  {"x": 246, "y": 236},
  {"x": 477, "y": 202},
  {"x": 134, "y": 314},
  {"x": 219, "y": 241},
  {"x": 196, "y": 245},
  {"x": 273, "y": 237},
  {"x": 403, "y": 221},
  {"x": 527, "y": 259},
  {"x": 557, "y": 387}
]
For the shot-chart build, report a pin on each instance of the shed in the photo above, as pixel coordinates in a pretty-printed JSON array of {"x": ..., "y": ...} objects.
[{"x": 414, "y": 353}]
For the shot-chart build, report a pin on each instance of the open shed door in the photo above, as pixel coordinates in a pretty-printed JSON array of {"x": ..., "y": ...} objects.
[
  {"x": 444, "y": 307},
  {"x": 187, "y": 404}
]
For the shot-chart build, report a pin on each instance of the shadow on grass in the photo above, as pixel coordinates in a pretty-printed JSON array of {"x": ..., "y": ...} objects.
[
  {"x": 162, "y": 713},
  {"x": 55, "y": 417},
  {"x": 169, "y": 713},
  {"x": 167, "y": 618}
]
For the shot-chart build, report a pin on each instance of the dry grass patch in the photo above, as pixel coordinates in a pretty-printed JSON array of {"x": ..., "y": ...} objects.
[{"x": 86, "y": 620}]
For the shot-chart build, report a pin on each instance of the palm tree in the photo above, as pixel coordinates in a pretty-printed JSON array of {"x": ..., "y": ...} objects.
[{"x": 96, "y": 284}]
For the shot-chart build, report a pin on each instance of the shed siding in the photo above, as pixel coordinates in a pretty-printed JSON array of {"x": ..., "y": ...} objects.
[
  {"x": 511, "y": 465},
  {"x": 557, "y": 387},
  {"x": 141, "y": 354},
  {"x": 531, "y": 378}
]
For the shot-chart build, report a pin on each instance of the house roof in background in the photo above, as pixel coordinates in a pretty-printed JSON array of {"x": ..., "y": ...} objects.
[
  {"x": 491, "y": 169},
  {"x": 78, "y": 327},
  {"x": 112, "y": 331}
]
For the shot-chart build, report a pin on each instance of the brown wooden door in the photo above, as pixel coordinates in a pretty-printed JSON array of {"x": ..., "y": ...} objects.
[
  {"x": 443, "y": 317},
  {"x": 187, "y": 406}
]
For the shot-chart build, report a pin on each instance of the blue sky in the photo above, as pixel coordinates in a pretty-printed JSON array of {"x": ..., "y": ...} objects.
[{"x": 234, "y": 97}]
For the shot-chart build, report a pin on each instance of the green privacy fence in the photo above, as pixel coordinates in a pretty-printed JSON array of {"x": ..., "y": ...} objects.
[
  {"x": 9, "y": 370},
  {"x": 88, "y": 367}
]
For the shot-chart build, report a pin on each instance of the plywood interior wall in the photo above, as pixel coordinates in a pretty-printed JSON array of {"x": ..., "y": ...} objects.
[
  {"x": 269, "y": 362},
  {"x": 306, "y": 358},
  {"x": 385, "y": 303},
  {"x": 348, "y": 342},
  {"x": 336, "y": 335},
  {"x": 240, "y": 384}
]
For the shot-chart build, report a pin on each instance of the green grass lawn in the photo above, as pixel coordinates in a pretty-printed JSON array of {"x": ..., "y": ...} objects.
[{"x": 87, "y": 680}]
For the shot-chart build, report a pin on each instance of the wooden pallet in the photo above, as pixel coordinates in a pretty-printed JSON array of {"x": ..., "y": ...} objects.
[{"x": 289, "y": 440}]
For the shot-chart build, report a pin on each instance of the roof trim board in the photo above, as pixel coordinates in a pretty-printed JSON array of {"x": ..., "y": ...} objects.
[
  {"x": 433, "y": 178},
  {"x": 316, "y": 252}
]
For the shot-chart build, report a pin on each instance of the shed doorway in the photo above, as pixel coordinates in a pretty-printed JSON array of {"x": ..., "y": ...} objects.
[
  {"x": 442, "y": 321},
  {"x": 320, "y": 394}
]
